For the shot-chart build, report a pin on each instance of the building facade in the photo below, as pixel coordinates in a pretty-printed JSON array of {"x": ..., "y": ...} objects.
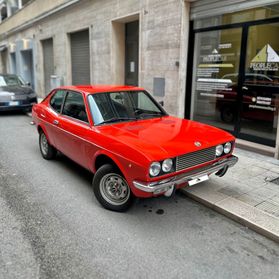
[
  {"x": 99, "y": 42},
  {"x": 207, "y": 60}
]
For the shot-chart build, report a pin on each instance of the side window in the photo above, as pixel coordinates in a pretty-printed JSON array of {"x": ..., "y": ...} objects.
[
  {"x": 74, "y": 106},
  {"x": 57, "y": 100}
]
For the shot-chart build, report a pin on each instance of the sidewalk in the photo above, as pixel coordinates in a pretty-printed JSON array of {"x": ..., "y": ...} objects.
[{"x": 248, "y": 193}]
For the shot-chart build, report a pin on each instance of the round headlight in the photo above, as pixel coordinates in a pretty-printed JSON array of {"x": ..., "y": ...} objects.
[
  {"x": 227, "y": 147},
  {"x": 155, "y": 169},
  {"x": 219, "y": 150},
  {"x": 167, "y": 165}
]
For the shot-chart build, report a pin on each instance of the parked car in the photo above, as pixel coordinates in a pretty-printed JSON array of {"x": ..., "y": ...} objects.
[
  {"x": 133, "y": 147},
  {"x": 15, "y": 94}
]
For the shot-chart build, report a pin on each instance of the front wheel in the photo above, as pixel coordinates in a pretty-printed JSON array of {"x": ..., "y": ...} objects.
[
  {"x": 48, "y": 152},
  {"x": 111, "y": 189}
]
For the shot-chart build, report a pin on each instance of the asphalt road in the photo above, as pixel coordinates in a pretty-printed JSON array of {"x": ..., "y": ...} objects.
[{"x": 51, "y": 226}]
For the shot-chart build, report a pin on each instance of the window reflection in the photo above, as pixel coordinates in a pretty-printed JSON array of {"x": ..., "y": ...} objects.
[
  {"x": 259, "y": 116},
  {"x": 216, "y": 61}
]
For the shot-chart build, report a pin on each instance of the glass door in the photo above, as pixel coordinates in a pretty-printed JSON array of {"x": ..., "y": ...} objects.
[
  {"x": 235, "y": 83},
  {"x": 216, "y": 63},
  {"x": 260, "y": 88}
]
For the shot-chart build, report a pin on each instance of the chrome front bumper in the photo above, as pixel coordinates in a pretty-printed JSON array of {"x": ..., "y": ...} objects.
[{"x": 167, "y": 185}]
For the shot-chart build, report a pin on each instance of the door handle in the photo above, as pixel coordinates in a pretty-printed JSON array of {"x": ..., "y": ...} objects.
[
  {"x": 244, "y": 88},
  {"x": 55, "y": 122}
]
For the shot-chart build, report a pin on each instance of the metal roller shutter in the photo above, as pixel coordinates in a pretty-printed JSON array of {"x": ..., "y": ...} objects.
[
  {"x": 80, "y": 57},
  {"x": 48, "y": 62},
  {"x": 208, "y": 8}
]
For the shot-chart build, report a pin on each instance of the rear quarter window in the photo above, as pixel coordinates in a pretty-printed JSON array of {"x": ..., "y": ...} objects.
[{"x": 56, "y": 100}]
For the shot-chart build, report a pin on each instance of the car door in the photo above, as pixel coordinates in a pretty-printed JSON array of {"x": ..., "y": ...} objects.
[
  {"x": 51, "y": 115},
  {"x": 74, "y": 129}
]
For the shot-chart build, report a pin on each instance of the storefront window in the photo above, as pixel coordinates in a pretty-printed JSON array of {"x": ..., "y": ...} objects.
[
  {"x": 215, "y": 79},
  {"x": 235, "y": 83},
  {"x": 259, "y": 116}
]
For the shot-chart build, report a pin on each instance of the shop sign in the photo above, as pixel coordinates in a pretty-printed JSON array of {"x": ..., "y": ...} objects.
[
  {"x": 214, "y": 57},
  {"x": 266, "y": 60},
  {"x": 263, "y": 103},
  {"x": 262, "y": 100},
  {"x": 210, "y": 84},
  {"x": 262, "y": 108}
]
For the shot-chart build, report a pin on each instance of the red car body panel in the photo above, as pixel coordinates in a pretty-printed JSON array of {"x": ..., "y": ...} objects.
[{"x": 132, "y": 145}]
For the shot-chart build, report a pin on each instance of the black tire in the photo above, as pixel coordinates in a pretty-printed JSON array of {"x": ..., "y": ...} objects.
[
  {"x": 108, "y": 180},
  {"x": 48, "y": 151},
  {"x": 227, "y": 114}
]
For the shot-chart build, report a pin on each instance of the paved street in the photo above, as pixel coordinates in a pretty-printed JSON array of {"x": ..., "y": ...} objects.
[{"x": 51, "y": 226}]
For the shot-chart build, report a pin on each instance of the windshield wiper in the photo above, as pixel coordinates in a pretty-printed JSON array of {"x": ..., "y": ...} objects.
[
  {"x": 116, "y": 119},
  {"x": 149, "y": 114}
]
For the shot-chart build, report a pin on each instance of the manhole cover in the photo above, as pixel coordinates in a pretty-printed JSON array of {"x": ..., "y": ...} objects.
[{"x": 275, "y": 181}]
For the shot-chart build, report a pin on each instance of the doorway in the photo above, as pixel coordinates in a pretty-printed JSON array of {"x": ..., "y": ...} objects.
[
  {"x": 12, "y": 63},
  {"x": 4, "y": 58},
  {"x": 132, "y": 53},
  {"x": 80, "y": 57},
  {"x": 27, "y": 67},
  {"x": 235, "y": 82}
]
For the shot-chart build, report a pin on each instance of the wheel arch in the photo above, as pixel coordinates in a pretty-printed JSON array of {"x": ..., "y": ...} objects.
[
  {"x": 102, "y": 158},
  {"x": 40, "y": 129}
]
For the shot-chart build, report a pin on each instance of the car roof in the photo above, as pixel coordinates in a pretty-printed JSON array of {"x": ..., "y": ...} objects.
[{"x": 89, "y": 89}]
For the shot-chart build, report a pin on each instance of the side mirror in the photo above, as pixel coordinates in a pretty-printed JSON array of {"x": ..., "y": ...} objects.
[{"x": 161, "y": 103}]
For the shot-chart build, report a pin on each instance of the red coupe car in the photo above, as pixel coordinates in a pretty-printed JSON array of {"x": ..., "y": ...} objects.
[{"x": 133, "y": 147}]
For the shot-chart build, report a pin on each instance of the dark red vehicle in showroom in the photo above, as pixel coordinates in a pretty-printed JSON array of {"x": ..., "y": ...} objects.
[{"x": 133, "y": 147}]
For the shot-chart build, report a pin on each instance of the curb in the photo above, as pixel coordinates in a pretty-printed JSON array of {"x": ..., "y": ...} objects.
[{"x": 249, "y": 216}]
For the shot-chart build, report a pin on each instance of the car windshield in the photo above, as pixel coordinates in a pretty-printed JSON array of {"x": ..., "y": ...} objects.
[
  {"x": 10, "y": 80},
  {"x": 123, "y": 106}
]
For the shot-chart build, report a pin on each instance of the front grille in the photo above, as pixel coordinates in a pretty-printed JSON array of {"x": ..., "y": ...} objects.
[{"x": 195, "y": 158}]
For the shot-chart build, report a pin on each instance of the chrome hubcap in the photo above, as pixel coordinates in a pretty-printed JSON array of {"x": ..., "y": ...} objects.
[
  {"x": 114, "y": 189},
  {"x": 44, "y": 144}
]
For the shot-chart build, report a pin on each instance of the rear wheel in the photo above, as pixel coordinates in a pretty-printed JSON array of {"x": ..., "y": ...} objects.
[
  {"x": 111, "y": 189},
  {"x": 48, "y": 152}
]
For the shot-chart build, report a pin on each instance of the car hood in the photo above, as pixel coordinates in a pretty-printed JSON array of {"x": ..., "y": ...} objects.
[
  {"x": 165, "y": 137},
  {"x": 17, "y": 90}
]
